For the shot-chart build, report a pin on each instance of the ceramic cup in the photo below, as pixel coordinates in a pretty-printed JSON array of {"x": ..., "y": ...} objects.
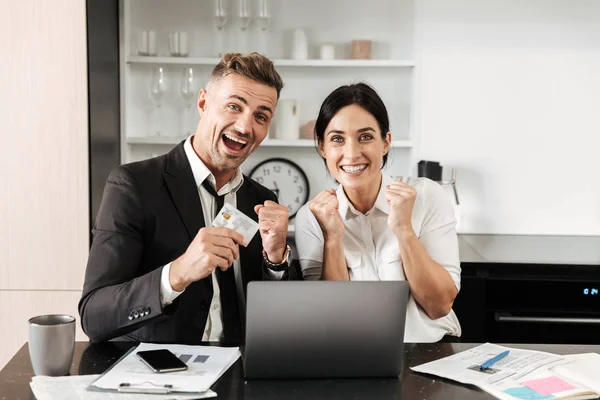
[{"x": 51, "y": 344}]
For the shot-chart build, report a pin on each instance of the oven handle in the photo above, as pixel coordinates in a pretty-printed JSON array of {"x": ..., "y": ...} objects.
[{"x": 551, "y": 320}]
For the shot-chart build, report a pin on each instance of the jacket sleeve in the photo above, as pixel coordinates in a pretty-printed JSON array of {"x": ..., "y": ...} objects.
[{"x": 115, "y": 300}]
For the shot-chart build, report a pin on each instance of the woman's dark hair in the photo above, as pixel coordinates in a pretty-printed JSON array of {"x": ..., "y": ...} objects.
[{"x": 360, "y": 94}]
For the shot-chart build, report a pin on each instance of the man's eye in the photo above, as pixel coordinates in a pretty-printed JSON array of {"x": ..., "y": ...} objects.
[
  {"x": 234, "y": 107},
  {"x": 262, "y": 117}
]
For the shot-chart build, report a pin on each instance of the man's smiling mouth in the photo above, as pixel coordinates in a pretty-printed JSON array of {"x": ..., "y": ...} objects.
[{"x": 234, "y": 143}]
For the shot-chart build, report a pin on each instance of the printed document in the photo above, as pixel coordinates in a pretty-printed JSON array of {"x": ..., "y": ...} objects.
[
  {"x": 75, "y": 388},
  {"x": 522, "y": 374},
  {"x": 205, "y": 364}
]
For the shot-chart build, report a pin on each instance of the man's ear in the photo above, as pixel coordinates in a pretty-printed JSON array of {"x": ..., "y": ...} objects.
[{"x": 202, "y": 94}]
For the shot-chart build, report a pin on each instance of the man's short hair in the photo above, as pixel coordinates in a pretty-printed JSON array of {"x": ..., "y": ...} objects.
[{"x": 252, "y": 65}]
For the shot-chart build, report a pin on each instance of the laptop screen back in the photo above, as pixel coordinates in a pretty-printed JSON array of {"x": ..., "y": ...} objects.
[{"x": 325, "y": 329}]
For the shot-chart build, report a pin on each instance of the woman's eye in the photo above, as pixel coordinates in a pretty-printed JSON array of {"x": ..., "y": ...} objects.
[
  {"x": 366, "y": 137},
  {"x": 337, "y": 139}
]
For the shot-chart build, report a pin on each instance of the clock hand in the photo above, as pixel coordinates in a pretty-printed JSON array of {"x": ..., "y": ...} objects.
[
  {"x": 276, "y": 190},
  {"x": 276, "y": 193}
]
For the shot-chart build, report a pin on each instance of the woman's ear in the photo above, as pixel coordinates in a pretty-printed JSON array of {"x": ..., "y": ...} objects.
[
  {"x": 321, "y": 149},
  {"x": 387, "y": 143}
]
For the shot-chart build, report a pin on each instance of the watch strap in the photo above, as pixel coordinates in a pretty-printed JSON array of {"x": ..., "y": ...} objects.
[{"x": 283, "y": 265}]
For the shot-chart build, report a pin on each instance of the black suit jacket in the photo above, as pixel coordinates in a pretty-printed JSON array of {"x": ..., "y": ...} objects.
[{"x": 150, "y": 213}]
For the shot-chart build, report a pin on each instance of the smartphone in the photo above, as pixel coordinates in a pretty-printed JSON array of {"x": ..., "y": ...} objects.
[{"x": 161, "y": 360}]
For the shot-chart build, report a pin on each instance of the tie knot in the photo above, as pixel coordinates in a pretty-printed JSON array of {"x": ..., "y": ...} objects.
[{"x": 210, "y": 189}]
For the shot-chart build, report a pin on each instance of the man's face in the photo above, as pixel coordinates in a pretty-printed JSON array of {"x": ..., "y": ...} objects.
[{"x": 235, "y": 114}]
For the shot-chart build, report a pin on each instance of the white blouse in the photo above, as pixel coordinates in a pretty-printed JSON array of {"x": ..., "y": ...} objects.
[{"x": 372, "y": 251}]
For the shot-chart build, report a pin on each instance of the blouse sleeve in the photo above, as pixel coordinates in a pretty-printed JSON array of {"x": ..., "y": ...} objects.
[
  {"x": 438, "y": 233},
  {"x": 309, "y": 244}
]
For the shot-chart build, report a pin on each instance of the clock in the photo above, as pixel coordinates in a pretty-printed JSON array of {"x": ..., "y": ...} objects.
[{"x": 286, "y": 179}]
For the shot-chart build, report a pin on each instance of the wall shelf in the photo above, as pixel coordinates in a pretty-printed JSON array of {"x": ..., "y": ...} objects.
[
  {"x": 278, "y": 62},
  {"x": 393, "y": 71},
  {"x": 158, "y": 140}
]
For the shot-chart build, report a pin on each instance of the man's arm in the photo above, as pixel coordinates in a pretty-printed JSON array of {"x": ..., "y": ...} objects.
[
  {"x": 115, "y": 300},
  {"x": 273, "y": 221}
]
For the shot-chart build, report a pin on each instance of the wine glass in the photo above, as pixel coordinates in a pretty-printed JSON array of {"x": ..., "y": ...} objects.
[
  {"x": 220, "y": 20},
  {"x": 188, "y": 94},
  {"x": 263, "y": 20},
  {"x": 156, "y": 92},
  {"x": 244, "y": 18}
]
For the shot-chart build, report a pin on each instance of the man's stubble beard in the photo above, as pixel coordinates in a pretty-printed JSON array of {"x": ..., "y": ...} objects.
[{"x": 228, "y": 162}]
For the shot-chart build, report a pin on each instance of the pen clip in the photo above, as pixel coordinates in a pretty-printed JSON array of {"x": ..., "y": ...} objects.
[{"x": 157, "y": 389}]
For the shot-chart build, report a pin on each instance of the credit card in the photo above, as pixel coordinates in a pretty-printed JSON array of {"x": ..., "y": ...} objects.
[{"x": 232, "y": 218}]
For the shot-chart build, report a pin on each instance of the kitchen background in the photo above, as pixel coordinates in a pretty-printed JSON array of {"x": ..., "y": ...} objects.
[{"x": 505, "y": 92}]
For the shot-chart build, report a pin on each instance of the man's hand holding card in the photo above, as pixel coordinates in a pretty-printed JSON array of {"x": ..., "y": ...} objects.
[{"x": 232, "y": 218}]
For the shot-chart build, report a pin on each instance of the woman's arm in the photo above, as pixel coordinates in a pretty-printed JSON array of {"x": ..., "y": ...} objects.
[
  {"x": 430, "y": 284},
  {"x": 319, "y": 234},
  {"x": 430, "y": 281},
  {"x": 334, "y": 262}
]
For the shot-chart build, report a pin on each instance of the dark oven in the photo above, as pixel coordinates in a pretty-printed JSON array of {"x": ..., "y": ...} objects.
[{"x": 530, "y": 303}]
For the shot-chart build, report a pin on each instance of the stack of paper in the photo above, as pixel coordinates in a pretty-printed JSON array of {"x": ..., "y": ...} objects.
[
  {"x": 523, "y": 374},
  {"x": 205, "y": 364},
  {"x": 74, "y": 388}
]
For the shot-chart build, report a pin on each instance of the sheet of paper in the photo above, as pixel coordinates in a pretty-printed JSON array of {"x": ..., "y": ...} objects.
[
  {"x": 523, "y": 374},
  {"x": 231, "y": 217},
  {"x": 464, "y": 367},
  {"x": 583, "y": 369},
  {"x": 74, "y": 388},
  {"x": 205, "y": 364}
]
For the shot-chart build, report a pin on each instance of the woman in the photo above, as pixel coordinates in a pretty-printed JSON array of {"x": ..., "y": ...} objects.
[{"x": 373, "y": 227}]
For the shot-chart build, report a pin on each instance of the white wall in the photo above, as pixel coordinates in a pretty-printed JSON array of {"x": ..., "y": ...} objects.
[
  {"x": 510, "y": 96},
  {"x": 43, "y": 163}
]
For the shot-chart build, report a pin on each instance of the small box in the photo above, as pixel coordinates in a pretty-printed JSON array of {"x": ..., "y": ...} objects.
[{"x": 361, "y": 50}]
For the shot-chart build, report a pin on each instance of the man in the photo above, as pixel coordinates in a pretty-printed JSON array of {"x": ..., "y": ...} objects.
[{"x": 157, "y": 270}]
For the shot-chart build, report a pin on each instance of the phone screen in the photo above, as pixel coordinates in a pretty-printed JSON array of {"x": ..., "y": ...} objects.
[{"x": 161, "y": 360}]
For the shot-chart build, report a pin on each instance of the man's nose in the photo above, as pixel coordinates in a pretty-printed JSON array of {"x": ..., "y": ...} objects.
[{"x": 243, "y": 124}]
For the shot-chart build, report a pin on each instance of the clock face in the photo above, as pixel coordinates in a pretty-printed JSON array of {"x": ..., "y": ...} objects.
[{"x": 285, "y": 179}]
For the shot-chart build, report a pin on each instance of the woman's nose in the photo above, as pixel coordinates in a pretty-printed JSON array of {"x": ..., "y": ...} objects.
[{"x": 352, "y": 149}]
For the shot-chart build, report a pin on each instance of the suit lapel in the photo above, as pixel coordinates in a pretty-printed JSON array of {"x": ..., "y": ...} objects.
[{"x": 182, "y": 187}]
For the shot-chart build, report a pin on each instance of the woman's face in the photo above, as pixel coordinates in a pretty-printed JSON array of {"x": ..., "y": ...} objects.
[{"x": 353, "y": 148}]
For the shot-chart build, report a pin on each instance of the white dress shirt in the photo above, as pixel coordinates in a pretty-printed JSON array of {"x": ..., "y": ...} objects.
[{"x": 372, "y": 251}]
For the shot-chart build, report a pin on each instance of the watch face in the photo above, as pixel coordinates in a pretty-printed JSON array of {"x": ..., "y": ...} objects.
[{"x": 285, "y": 179}]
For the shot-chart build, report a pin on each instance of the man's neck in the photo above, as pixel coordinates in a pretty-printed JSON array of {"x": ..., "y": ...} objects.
[{"x": 221, "y": 178}]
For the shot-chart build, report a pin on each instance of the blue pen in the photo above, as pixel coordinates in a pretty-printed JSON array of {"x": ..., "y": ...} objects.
[{"x": 493, "y": 360}]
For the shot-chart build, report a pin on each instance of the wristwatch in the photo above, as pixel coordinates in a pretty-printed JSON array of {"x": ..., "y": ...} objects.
[{"x": 283, "y": 265}]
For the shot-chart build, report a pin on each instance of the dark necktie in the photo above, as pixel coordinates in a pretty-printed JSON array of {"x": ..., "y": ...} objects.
[{"x": 232, "y": 328}]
